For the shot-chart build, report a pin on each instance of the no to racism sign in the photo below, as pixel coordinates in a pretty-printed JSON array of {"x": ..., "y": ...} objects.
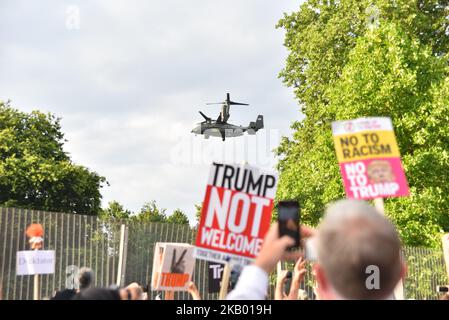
[
  {"x": 370, "y": 163},
  {"x": 236, "y": 213}
]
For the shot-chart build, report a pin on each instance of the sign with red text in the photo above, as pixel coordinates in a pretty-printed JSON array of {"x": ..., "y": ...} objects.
[
  {"x": 370, "y": 163},
  {"x": 236, "y": 213},
  {"x": 173, "y": 265}
]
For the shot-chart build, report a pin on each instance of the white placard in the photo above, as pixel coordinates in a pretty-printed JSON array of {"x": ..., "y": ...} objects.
[
  {"x": 173, "y": 266},
  {"x": 35, "y": 262}
]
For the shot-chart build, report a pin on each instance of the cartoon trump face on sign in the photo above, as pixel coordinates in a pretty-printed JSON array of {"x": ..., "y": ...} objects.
[{"x": 380, "y": 171}]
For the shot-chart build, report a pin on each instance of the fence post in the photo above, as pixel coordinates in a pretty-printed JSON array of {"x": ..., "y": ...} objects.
[
  {"x": 122, "y": 255},
  {"x": 445, "y": 241}
]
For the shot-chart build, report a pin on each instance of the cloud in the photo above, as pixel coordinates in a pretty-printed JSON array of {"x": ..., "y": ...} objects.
[{"x": 130, "y": 81}]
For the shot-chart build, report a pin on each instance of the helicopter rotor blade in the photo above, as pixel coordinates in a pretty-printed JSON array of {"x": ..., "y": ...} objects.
[
  {"x": 238, "y": 103},
  {"x": 229, "y": 102}
]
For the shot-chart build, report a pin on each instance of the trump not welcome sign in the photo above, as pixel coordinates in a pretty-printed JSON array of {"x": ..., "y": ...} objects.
[
  {"x": 370, "y": 163},
  {"x": 236, "y": 213}
]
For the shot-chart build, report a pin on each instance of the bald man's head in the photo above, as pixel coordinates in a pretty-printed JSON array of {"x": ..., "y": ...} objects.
[{"x": 353, "y": 238}]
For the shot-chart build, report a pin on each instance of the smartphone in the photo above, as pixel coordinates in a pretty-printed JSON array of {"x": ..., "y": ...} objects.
[{"x": 288, "y": 219}]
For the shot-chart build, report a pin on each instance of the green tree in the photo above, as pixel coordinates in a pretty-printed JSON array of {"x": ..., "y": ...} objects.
[
  {"x": 178, "y": 217},
  {"x": 35, "y": 171},
  {"x": 151, "y": 213},
  {"x": 341, "y": 69},
  {"x": 115, "y": 210},
  {"x": 198, "y": 209}
]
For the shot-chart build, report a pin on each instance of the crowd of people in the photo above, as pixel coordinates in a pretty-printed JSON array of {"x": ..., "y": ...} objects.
[
  {"x": 357, "y": 257},
  {"x": 134, "y": 291},
  {"x": 352, "y": 239}
]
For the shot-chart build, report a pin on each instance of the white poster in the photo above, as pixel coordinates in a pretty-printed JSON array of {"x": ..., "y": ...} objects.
[
  {"x": 173, "y": 265},
  {"x": 35, "y": 262}
]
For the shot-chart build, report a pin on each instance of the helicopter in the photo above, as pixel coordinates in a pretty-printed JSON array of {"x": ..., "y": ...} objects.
[{"x": 221, "y": 127}]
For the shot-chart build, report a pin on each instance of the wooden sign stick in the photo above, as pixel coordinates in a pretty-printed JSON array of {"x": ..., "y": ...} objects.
[
  {"x": 36, "y": 286},
  {"x": 399, "y": 289},
  {"x": 224, "y": 284}
]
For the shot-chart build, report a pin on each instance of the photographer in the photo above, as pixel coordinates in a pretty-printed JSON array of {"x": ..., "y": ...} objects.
[
  {"x": 253, "y": 281},
  {"x": 352, "y": 237}
]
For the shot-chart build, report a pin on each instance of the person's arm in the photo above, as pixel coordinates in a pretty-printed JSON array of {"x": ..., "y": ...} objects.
[
  {"x": 298, "y": 277},
  {"x": 279, "y": 292},
  {"x": 169, "y": 295},
  {"x": 253, "y": 281},
  {"x": 192, "y": 289}
]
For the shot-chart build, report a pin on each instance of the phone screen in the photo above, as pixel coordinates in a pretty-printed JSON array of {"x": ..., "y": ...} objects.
[{"x": 288, "y": 220}]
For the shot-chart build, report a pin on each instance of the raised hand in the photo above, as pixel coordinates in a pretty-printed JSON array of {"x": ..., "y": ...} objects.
[{"x": 178, "y": 266}]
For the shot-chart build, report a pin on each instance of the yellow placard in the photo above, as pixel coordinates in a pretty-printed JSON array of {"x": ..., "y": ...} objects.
[{"x": 366, "y": 145}]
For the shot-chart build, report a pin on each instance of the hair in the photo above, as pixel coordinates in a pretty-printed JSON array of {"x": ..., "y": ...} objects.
[
  {"x": 86, "y": 278},
  {"x": 352, "y": 237},
  {"x": 98, "y": 294},
  {"x": 66, "y": 294}
]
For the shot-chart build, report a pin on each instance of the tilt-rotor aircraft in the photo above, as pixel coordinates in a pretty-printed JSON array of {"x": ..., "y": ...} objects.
[{"x": 221, "y": 127}]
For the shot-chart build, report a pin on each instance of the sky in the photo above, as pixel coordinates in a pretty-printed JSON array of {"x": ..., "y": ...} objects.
[{"x": 127, "y": 79}]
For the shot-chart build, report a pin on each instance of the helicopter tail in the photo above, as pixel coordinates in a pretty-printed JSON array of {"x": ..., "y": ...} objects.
[
  {"x": 255, "y": 126},
  {"x": 259, "y": 122}
]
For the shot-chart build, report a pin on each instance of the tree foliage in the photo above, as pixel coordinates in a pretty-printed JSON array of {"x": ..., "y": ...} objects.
[
  {"x": 342, "y": 68},
  {"x": 150, "y": 212},
  {"x": 116, "y": 211},
  {"x": 35, "y": 171},
  {"x": 178, "y": 217}
]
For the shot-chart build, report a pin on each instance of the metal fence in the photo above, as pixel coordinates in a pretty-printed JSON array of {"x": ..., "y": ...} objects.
[{"x": 80, "y": 240}]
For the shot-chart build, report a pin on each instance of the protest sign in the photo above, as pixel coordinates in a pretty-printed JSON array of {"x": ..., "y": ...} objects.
[
  {"x": 369, "y": 158},
  {"x": 173, "y": 265},
  {"x": 236, "y": 213},
  {"x": 35, "y": 262},
  {"x": 215, "y": 272}
]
